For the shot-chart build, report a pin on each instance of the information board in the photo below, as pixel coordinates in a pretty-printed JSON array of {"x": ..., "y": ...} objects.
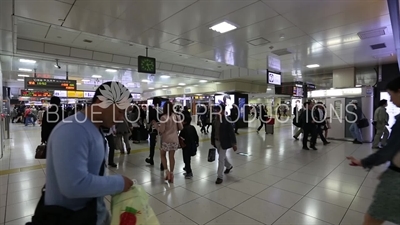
[
  {"x": 49, "y": 84},
  {"x": 75, "y": 94},
  {"x": 29, "y": 93}
]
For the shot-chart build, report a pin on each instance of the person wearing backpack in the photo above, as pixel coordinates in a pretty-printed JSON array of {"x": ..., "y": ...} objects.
[{"x": 189, "y": 141}]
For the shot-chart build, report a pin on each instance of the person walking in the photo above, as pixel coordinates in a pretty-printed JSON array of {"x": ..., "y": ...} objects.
[
  {"x": 386, "y": 201},
  {"x": 309, "y": 126},
  {"x": 263, "y": 118},
  {"x": 51, "y": 118},
  {"x": 109, "y": 134},
  {"x": 223, "y": 138},
  {"x": 381, "y": 120},
  {"x": 354, "y": 129},
  {"x": 189, "y": 141},
  {"x": 320, "y": 118}
]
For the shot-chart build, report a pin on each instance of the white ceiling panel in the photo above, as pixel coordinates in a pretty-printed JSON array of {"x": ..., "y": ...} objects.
[
  {"x": 159, "y": 10},
  {"x": 200, "y": 13},
  {"x": 31, "y": 29},
  {"x": 48, "y": 11},
  {"x": 153, "y": 38},
  {"x": 6, "y": 43},
  {"x": 6, "y": 11},
  {"x": 110, "y": 45},
  {"x": 123, "y": 30},
  {"x": 63, "y": 34},
  {"x": 195, "y": 49},
  {"x": 131, "y": 50},
  {"x": 315, "y": 7},
  {"x": 95, "y": 41},
  {"x": 88, "y": 21},
  {"x": 110, "y": 8},
  {"x": 370, "y": 24}
]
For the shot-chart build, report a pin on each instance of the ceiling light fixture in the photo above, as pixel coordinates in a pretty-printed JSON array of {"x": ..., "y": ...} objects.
[
  {"x": 203, "y": 81},
  {"x": 150, "y": 88},
  {"x": 23, "y": 75},
  {"x": 165, "y": 76},
  {"x": 27, "y": 61},
  {"x": 96, "y": 76},
  {"x": 312, "y": 66},
  {"x": 145, "y": 81},
  {"x": 182, "y": 84},
  {"x": 164, "y": 89},
  {"x": 111, "y": 70},
  {"x": 223, "y": 27},
  {"x": 164, "y": 86},
  {"x": 196, "y": 85},
  {"x": 26, "y": 70},
  {"x": 85, "y": 80},
  {"x": 78, "y": 83},
  {"x": 20, "y": 79}
]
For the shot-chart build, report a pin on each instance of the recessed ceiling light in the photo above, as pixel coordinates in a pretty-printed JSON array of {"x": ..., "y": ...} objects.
[
  {"x": 203, "y": 81},
  {"x": 27, "y": 61},
  {"x": 23, "y": 75},
  {"x": 199, "y": 94},
  {"x": 20, "y": 79},
  {"x": 268, "y": 89},
  {"x": 111, "y": 70},
  {"x": 145, "y": 81},
  {"x": 165, "y": 76},
  {"x": 150, "y": 88},
  {"x": 182, "y": 84},
  {"x": 164, "y": 86},
  {"x": 85, "y": 80},
  {"x": 196, "y": 85},
  {"x": 223, "y": 27},
  {"x": 96, "y": 76},
  {"x": 26, "y": 70},
  {"x": 312, "y": 66}
]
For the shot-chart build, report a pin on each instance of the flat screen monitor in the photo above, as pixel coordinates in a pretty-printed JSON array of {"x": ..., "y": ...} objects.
[
  {"x": 391, "y": 109},
  {"x": 228, "y": 100},
  {"x": 274, "y": 78}
]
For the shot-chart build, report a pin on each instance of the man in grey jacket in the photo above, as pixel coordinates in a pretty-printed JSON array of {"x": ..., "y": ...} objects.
[{"x": 381, "y": 120}]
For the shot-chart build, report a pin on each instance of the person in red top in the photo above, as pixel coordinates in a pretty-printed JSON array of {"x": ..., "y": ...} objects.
[{"x": 28, "y": 117}]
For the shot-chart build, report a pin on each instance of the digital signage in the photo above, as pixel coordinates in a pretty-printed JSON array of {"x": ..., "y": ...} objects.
[
  {"x": 49, "y": 84},
  {"x": 29, "y": 93},
  {"x": 274, "y": 78}
]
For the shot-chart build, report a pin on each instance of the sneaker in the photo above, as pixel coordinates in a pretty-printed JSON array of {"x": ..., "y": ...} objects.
[
  {"x": 189, "y": 176},
  {"x": 219, "y": 181},
  {"x": 327, "y": 143},
  {"x": 112, "y": 165},
  {"x": 149, "y": 161},
  {"x": 228, "y": 170}
]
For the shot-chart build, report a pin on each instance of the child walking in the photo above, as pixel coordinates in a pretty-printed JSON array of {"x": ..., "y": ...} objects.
[{"x": 189, "y": 141}]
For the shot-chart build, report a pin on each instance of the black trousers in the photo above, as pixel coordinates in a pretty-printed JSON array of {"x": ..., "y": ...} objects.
[
  {"x": 236, "y": 127},
  {"x": 187, "y": 157},
  {"x": 261, "y": 126},
  {"x": 111, "y": 146},
  {"x": 153, "y": 142},
  {"x": 309, "y": 131},
  {"x": 321, "y": 135}
]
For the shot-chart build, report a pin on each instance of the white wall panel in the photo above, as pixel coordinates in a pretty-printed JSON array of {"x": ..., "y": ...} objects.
[
  {"x": 80, "y": 53},
  {"x": 56, "y": 49},
  {"x": 121, "y": 59},
  {"x": 28, "y": 45},
  {"x": 102, "y": 56}
]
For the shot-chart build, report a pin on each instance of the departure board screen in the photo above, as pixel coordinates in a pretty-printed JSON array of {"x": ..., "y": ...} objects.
[{"x": 49, "y": 84}]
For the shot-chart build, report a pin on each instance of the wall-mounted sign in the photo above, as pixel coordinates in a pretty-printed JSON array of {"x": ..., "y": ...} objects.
[
  {"x": 273, "y": 63},
  {"x": 28, "y": 93},
  {"x": 335, "y": 92},
  {"x": 274, "y": 78},
  {"x": 88, "y": 94},
  {"x": 75, "y": 94},
  {"x": 49, "y": 84},
  {"x": 146, "y": 65},
  {"x": 61, "y": 94}
]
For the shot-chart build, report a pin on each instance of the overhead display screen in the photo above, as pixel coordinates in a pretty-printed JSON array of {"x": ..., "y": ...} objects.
[
  {"x": 61, "y": 94},
  {"x": 27, "y": 93},
  {"x": 49, "y": 84},
  {"x": 274, "y": 78},
  {"x": 146, "y": 65}
]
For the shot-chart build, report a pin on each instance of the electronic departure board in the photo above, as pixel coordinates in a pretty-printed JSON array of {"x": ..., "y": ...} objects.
[
  {"x": 49, "y": 84},
  {"x": 27, "y": 93}
]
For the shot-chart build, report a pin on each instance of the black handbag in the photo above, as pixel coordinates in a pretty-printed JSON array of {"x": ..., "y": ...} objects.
[
  {"x": 41, "y": 151},
  {"x": 211, "y": 154},
  {"x": 363, "y": 123}
]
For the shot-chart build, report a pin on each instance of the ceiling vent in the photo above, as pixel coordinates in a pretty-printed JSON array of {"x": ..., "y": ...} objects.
[
  {"x": 281, "y": 52},
  {"x": 372, "y": 33},
  {"x": 182, "y": 42},
  {"x": 259, "y": 41},
  {"x": 378, "y": 46},
  {"x": 87, "y": 41}
]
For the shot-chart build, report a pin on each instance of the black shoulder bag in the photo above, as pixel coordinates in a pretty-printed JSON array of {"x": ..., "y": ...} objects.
[{"x": 58, "y": 215}]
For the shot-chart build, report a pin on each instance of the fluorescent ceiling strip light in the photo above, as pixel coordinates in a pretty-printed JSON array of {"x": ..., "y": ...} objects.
[
  {"x": 203, "y": 81},
  {"x": 85, "y": 80},
  {"x": 165, "y": 76},
  {"x": 312, "y": 66},
  {"x": 182, "y": 84},
  {"x": 223, "y": 27},
  {"x": 20, "y": 79},
  {"x": 23, "y": 75},
  {"x": 27, "y": 61},
  {"x": 26, "y": 70},
  {"x": 145, "y": 81},
  {"x": 96, "y": 76},
  {"x": 111, "y": 70}
]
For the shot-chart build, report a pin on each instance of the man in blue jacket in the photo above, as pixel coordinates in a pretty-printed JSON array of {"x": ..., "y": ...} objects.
[{"x": 223, "y": 138}]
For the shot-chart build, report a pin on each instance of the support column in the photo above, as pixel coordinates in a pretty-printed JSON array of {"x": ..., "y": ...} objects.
[{"x": 344, "y": 78}]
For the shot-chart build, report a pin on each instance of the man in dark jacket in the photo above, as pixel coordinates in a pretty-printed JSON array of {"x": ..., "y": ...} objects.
[
  {"x": 51, "y": 118},
  {"x": 223, "y": 138},
  {"x": 309, "y": 126}
]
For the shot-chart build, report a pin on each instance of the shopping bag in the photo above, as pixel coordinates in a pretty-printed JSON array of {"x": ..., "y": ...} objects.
[
  {"x": 132, "y": 208},
  {"x": 41, "y": 151},
  {"x": 363, "y": 123},
  {"x": 211, "y": 154}
]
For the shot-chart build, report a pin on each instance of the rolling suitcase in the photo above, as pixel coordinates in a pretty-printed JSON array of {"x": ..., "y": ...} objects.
[{"x": 269, "y": 127}]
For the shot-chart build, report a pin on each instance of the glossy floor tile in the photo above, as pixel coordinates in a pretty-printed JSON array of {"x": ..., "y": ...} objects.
[{"x": 274, "y": 182}]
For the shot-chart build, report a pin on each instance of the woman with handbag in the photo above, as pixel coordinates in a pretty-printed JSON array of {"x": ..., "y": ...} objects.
[
  {"x": 386, "y": 203},
  {"x": 170, "y": 125}
]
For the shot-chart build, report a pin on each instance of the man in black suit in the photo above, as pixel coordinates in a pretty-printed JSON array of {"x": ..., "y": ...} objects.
[
  {"x": 319, "y": 114},
  {"x": 309, "y": 126}
]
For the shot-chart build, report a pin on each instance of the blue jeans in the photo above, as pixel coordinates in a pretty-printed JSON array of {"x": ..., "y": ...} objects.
[
  {"x": 28, "y": 120},
  {"x": 356, "y": 132}
]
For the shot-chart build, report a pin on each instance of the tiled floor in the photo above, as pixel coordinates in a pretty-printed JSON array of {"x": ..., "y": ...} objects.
[{"x": 275, "y": 183}]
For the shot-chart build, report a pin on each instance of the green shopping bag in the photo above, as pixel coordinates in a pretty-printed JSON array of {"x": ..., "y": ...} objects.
[{"x": 132, "y": 208}]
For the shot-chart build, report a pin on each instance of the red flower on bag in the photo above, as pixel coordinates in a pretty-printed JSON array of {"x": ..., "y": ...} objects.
[{"x": 128, "y": 217}]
